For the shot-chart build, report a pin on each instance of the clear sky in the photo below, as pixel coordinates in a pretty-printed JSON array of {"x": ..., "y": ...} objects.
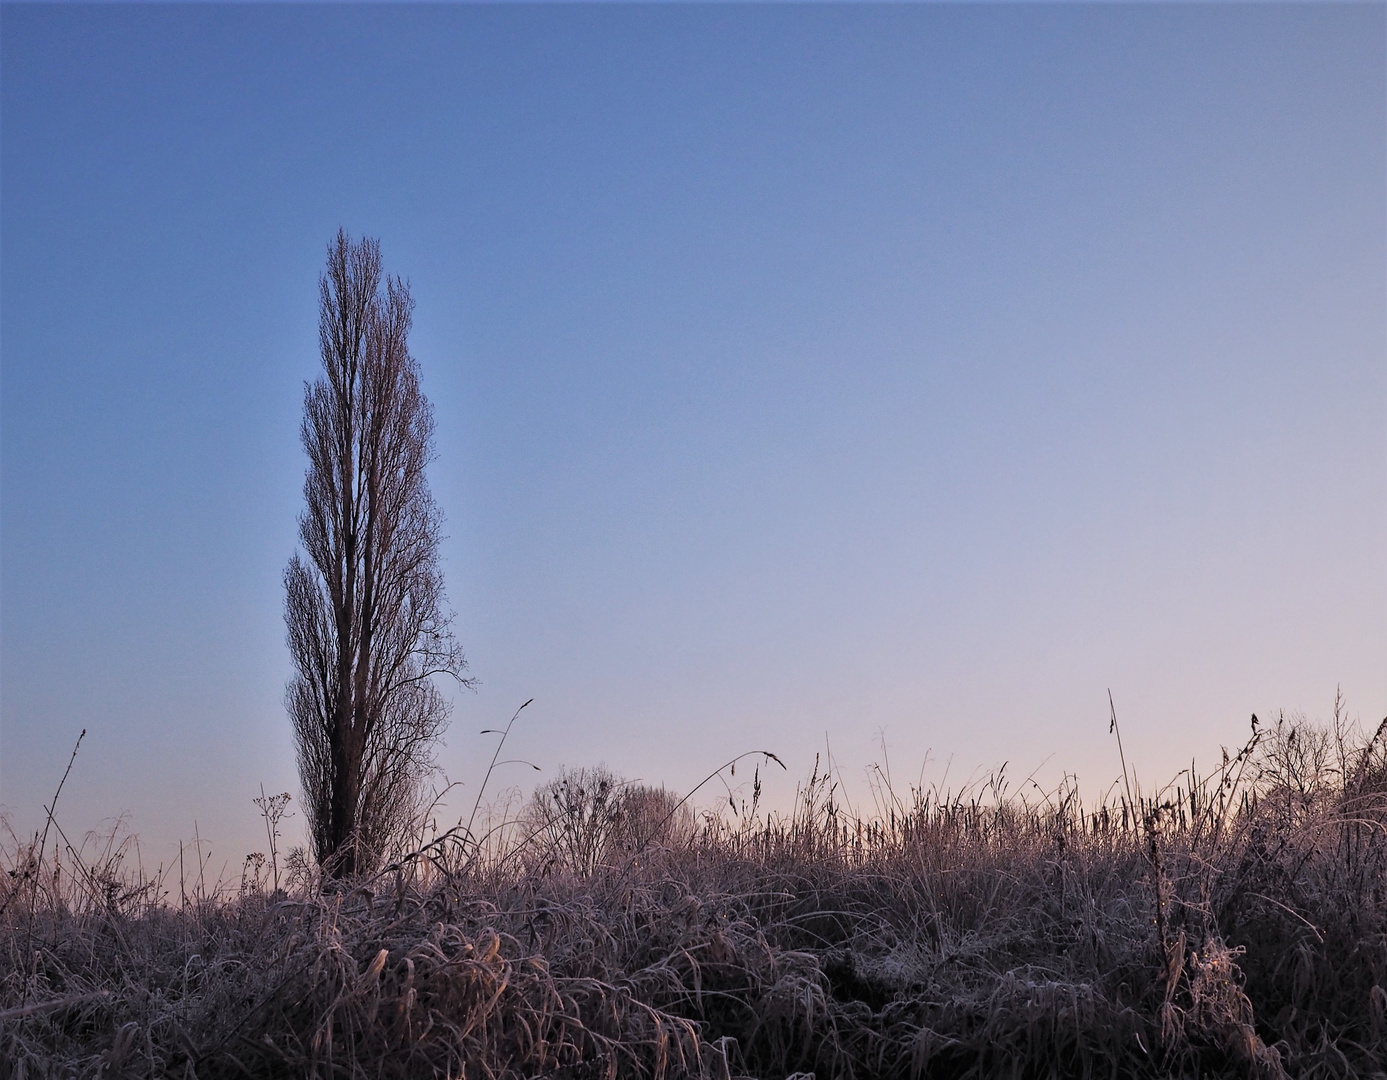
[{"x": 801, "y": 373}]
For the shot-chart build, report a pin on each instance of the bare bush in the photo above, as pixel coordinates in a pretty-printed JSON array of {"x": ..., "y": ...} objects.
[
  {"x": 588, "y": 818},
  {"x": 654, "y": 817}
]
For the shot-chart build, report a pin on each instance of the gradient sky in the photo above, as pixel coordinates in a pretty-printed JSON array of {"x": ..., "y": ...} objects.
[{"x": 802, "y": 374}]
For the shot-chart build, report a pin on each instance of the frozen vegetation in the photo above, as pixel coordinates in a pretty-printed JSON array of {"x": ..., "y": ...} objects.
[{"x": 1233, "y": 924}]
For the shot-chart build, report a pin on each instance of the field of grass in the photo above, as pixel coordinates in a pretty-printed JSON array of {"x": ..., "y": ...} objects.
[{"x": 1233, "y": 924}]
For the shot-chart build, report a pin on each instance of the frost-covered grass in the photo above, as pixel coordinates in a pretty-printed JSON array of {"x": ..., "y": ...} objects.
[{"x": 1230, "y": 925}]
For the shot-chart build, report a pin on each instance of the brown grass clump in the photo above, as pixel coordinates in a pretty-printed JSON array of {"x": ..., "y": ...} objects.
[{"x": 1230, "y": 925}]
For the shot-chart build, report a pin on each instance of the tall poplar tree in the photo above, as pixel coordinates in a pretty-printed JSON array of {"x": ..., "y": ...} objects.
[{"x": 368, "y": 626}]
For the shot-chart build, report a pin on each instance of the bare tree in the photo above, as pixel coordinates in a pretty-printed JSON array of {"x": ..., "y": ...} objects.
[{"x": 368, "y": 625}]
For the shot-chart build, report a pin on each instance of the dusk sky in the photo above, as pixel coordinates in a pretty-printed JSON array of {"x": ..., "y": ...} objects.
[{"x": 803, "y": 376}]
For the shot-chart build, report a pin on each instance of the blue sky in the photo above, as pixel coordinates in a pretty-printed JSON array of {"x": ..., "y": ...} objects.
[{"x": 802, "y": 373}]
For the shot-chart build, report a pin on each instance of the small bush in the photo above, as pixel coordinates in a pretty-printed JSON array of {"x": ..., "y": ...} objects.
[{"x": 587, "y": 818}]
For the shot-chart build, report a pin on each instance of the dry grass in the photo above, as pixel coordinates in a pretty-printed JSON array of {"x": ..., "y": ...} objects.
[{"x": 1231, "y": 925}]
